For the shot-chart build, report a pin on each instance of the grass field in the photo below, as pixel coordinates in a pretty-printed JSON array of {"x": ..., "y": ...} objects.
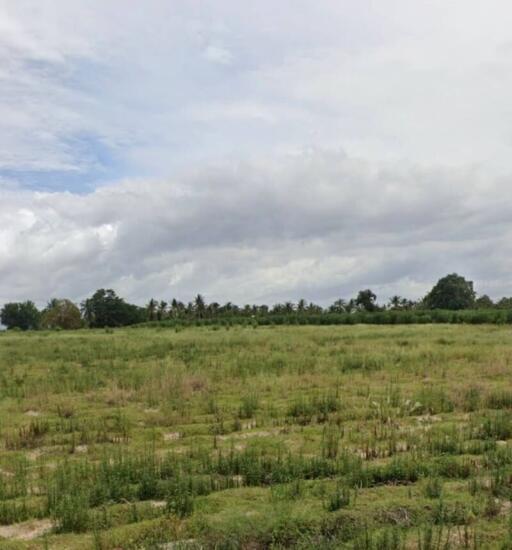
[{"x": 357, "y": 437}]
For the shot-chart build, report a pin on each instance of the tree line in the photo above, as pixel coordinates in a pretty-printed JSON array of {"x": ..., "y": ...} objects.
[{"x": 106, "y": 309}]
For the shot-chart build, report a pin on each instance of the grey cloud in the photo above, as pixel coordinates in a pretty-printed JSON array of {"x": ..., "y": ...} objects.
[{"x": 320, "y": 224}]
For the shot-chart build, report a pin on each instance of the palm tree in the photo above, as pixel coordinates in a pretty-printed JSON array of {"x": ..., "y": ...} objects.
[
  {"x": 87, "y": 311},
  {"x": 54, "y": 302},
  {"x": 176, "y": 308},
  {"x": 278, "y": 308},
  {"x": 199, "y": 306},
  {"x": 351, "y": 306},
  {"x": 189, "y": 309},
  {"x": 289, "y": 307},
  {"x": 213, "y": 309},
  {"x": 162, "y": 310},
  {"x": 339, "y": 306},
  {"x": 151, "y": 309},
  {"x": 313, "y": 308},
  {"x": 395, "y": 302},
  {"x": 301, "y": 305}
]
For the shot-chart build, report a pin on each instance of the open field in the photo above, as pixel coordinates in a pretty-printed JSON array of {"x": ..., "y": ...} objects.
[{"x": 329, "y": 437}]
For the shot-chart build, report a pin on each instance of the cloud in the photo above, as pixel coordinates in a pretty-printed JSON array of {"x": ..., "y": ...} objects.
[
  {"x": 159, "y": 88},
  {"x": 181, "y": 147},
  {"x": 320, "y": 224},
  {"x": 218, "y": 54}
]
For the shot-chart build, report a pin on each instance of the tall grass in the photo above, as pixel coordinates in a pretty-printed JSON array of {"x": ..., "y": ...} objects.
[{"x": 359, "y": 436}]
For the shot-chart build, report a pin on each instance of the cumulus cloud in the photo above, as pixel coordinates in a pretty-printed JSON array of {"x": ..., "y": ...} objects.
[
  {"x": 185, "y": 147},
  {"x": 319, "y": 224}
]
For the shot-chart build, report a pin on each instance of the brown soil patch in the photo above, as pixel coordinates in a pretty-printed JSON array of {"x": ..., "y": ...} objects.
[
  {"x": 27, "y": 530},
  {"x": 172, "y": 436}
]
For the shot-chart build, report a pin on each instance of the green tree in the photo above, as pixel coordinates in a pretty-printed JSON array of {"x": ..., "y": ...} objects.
[
  {"x": 366, "y": 300},
  {"x": 451, "y": 292},
  {"x": 504, "y": 303},
  {"x": 301, "y": 306},
  {"x": 61, "y": 314},
  {"x": 151, "y": 309},
  {"x": 339, "y": 306},
  {"x": 105, "y": 309},
  {"x": 176, "y": 309},
  {"x": 314, "y": 309},
  {"x": 22, "y": 315},
  {"x": 484, "y": 302},
  {"x": 289, "y": 307},
  {"x": 213, "y": 309},
  {"x": 199, "y": 306},
  {"x": 395, "y": 302},
  {"x": 162, "y": 310}
]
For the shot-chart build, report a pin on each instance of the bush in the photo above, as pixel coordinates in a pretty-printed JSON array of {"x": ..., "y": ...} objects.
[{"x": 338, "y": 499}]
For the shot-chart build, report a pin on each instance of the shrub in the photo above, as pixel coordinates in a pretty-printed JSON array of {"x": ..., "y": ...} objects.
[{"x": 339, "y": 498}]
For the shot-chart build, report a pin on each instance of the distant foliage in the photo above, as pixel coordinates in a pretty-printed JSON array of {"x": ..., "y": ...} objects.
[
  {"x": 451, "y": 300},
  {"x": 62, "y": 314},
  {"x": 451, "y": 292},
  {"x": 484, "y": 302},
  {"x": 367, "y": 300},
  {"x": 105, "y": 309},
  {"x": 20, "y": 315}
]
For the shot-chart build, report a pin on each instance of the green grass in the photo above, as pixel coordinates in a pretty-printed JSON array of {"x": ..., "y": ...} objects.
[{"x": 376, "y": 437}]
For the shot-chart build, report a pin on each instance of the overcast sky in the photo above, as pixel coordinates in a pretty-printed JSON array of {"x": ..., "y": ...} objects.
[{"x": 254, "y": 151}]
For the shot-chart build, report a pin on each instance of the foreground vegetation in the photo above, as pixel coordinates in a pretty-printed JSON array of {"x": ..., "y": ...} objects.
[{"x": 359, "y": 437}]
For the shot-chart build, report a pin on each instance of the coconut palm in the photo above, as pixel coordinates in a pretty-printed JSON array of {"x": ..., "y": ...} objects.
[{"x": 151, "y": 309}]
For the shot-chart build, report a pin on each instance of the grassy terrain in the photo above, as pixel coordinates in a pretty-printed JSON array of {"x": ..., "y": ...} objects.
[{"x": 328, "y": 437}]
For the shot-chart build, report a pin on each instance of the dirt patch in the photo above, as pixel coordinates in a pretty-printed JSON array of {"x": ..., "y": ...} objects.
[
  {"x": 27, "y": 530},
  {"x": 261, "y": 433},
  {"x": 239, "y": 480},
  {"x": 158, "y": 503},
  {"x": 34, "y": 455},
  {"x": 32, "y": 413},
  {"x": 402, "y": 446},
  {"x": 505, "y": 507},
  {"x": 192, "y": 543},
  {"x": 248, "y": 435},
  {"x": 428, "y": 418},
  {"x": 172, "y": 436}
]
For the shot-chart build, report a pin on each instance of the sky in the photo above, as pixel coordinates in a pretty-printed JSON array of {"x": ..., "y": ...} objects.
[{"x": 254, "y": 151}]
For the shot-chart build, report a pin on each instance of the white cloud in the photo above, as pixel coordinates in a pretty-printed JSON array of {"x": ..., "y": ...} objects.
[
  {"x": 218, "y": 54},
  {"x": 159, "y": 86},
  {"x": 208, "y": 127},
  {"x": 320, "y": 225}
]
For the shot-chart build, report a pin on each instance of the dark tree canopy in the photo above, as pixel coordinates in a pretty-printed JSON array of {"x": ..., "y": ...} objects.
[
  {"x": 484, "y": 302},
  {"x": 451, "y": 292},
  {"x": 105, "y": 309},
  {"x": 21, "y": 315},
  {"x": 504, "y": 303},
  {"x": 366, "y": 300}
]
